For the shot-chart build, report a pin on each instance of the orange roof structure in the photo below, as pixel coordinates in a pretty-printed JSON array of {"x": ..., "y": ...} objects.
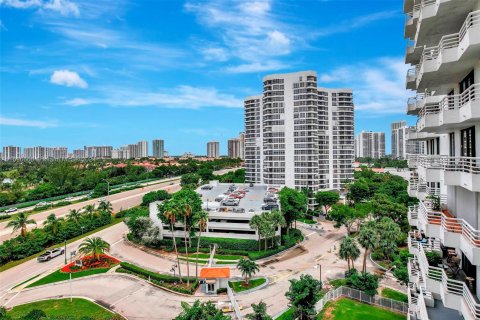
[{"x": 215, "y": 273}]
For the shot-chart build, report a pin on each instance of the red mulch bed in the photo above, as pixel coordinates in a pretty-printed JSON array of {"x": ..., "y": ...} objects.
[{"x": 104, "y": 261}]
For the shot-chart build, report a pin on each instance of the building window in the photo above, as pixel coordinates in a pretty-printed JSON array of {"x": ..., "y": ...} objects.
[
  {"x": 467, "y": 142},
  {"x": 466, "y": 82},
  {"x": 451, "y": 137}
]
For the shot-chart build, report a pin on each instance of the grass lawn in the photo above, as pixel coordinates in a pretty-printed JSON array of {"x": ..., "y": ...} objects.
[
  {"x": 287, "y": 315},
  {"x": 307, "y": 221},
  {"x": 61, "y": 276},
  {"x": 239, "y": 286},
  {"x": 338, "y": 282},
  {"x": 394, "y": 294},
  {"x": 62, "y": 308},
  {"x": 347, "y": 309},
  {"x": 217, "y": 256}
]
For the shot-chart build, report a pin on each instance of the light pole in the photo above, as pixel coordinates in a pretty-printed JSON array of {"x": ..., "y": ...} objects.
[
  {"x": 65, "y": 251},
  {"x": 319, "y": 267}
]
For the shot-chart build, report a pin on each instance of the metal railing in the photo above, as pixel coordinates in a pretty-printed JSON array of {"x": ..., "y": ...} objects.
[
  {"x": 355, "y": 294},
  {"x": 236, "y": 308},
  {"x": 449, "y": 285}
]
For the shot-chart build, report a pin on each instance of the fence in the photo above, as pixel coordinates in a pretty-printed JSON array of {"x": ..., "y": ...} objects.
[
  {"x": 355, "y": 294},
  {"x": 234, "y": 303}
]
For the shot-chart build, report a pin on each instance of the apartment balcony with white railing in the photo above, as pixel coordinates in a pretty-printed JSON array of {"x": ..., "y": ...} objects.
[
  {"x": 454, "y": 294},
  {"x": 411, "y": 20},
  {"x": 417, "y": 189},
  {"x": 415, "y": 104},
  {"x": 463, "y": 172},
  {"x": 430, "y": 168},
  {"x": 454, "y": 54},
  {"x": 453, "y": 232},
  {"x": 451, "y": 112},
  {"x": 413, "y": 215},
  {"x": 411, "y": 81}
]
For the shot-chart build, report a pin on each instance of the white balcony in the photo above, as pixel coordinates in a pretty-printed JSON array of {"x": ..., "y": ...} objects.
[
  {"x": 463, "y": 172},
  {"x": 413, "y": 216},
  {"x": 430, "y": 168},
  {"x": 453, "y": 293},
  {"x": 450, "y": 112},
  {"x": 455, "y": 54},
  {"x": 411, "y": 82}
]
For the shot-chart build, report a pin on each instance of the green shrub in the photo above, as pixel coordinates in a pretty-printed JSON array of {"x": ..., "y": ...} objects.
[
  {"x": 221, "y": 290},
  {"x": 434, "y": 258}
]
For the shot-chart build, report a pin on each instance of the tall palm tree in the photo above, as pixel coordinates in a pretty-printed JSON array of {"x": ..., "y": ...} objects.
[
  {"x": 89, "y": 210},
  {"x": 170, "y": 213},
  {"x": 368, "y": 239},
  {"x": 201, "y": 219},
  {"x": 248, "y": 268},
  {"x": 74, "y": 215},
  {"x": 186, "y": 213},
  {"x": 277, "y": 220},
  {"x": 94, "y": 246},
  {"x": 105, "y": 206},
  {"x": 349, "y": 251},
  {"x": 20, "y": 222},
  {"x": 256, "y": 223},
  {"x": 53, "y": 223}
]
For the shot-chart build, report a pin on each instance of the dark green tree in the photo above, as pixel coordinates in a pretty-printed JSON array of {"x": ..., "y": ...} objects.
[
  {"x": 293, "y": 205},
  {"x": 326, "y": 199},
  {"x": 259, "y": 312},
  {"x": 303, "y": 294},
  {"x": 201, "y": 311}
]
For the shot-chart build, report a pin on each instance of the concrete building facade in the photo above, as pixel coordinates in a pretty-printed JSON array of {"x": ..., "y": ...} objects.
[
  {"x": 213, "y": 149},
  {"x": 444, "y": 51},
  {"x": 158, "y": 147},
  {"x": 11, "y": 153},
  {"x": 299, "y": 135},
  {"x": 370, "y": 145}
]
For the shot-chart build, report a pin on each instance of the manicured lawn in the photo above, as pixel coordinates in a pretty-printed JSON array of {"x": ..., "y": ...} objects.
[
  {"x": 239, "y": 286},
  {"x": 347, "y": 309},
  {"x": 307, "y": 221},
  {"x": 62, "y": 308},
  {"x": 61, "y": 276},
  {"x": 287, "y": 315},
  {"x": 394, "y": 294},
  {"x": 338, "y": 282},
  {"x": 217, "y": 256}
]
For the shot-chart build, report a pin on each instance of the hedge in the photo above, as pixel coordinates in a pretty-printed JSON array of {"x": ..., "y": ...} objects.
[{"x": 159, "y": 279}]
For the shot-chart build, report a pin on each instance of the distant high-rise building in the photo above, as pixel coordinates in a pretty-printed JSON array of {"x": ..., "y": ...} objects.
[
  {"x": 78, "y": 154},
  {"x": 213, "y": 149},
  {"x": 158, "y": 148},
  {"x": 121, "y": 153},
  {"x": 93, "y": 152},
  {"x": 299, "y": 135},
  {"x": 11, "y": 153},
  {"x": 370, "y": 145},
  {"x": 236, "y": 147},
  {"x": 142, "y": 149},
  {"x": 402, "y": 145}
]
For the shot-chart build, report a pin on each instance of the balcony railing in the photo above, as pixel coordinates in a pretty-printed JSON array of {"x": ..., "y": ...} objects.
[
  {"x": 450, "y": 163},
  {"x": 449, "y": 285},
  {"x": 451, "y": 40},
  {"x": 450, "y": 223}
]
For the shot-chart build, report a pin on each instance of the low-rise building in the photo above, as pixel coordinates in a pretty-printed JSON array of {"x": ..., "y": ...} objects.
[{"x": 226, "y": 219}]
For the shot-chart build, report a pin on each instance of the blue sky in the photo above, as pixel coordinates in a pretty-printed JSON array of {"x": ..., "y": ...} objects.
[{"x": 77, "y": 73}]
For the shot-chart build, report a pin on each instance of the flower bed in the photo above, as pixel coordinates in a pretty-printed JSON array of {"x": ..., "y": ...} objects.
[{"x": 88, "y": 263}]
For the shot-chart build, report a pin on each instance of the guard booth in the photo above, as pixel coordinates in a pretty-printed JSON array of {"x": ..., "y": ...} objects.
[{"x": 214, "y": 279}]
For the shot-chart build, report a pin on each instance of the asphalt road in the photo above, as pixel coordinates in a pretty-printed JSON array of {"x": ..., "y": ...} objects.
[{"x": 119, "y": 201}]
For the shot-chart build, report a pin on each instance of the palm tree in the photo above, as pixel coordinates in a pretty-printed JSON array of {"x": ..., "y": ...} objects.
[
  {"x": 277, "y": 220},
  {"x": 248, "y": 268},
  {"x": 201, "y": 218},
  {"x": 368, "y": 239},
  {"x": 259, "y": 312},
  {"x": 186, "y": 212},
  {"x": 256, "y": 223},
  {"x": 170, "y": 213},
  {"x": 105, "y": 206},
  {"x": 89, "y": 210},
  {"x": 20, "y": 222},
  {"x": 349, "y": 251},
  {"x": 94, "y": 246},
  {"x": 74, "y": 215},
  {"x": 53, "y": 223}
]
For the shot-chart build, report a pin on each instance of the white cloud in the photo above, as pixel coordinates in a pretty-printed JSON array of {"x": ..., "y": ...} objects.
[
  {"x": 27, "y": 123},
  {"x": 68, "y": 78},
  {"x": 64, "y": 7},
  {"x": 378, "y": 86},
  {"x": 257, "y": 67},
  {"x": 185, "y": 97},
  {"x": 215, "y": 54}
]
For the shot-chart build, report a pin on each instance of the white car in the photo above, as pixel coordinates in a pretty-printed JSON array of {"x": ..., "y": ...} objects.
[
  {"x": 102, "y": 200},
  {"x": 50, "y": 254},
  {"x": 11, "y": 210},
  {"x": 68, "y": 199}
]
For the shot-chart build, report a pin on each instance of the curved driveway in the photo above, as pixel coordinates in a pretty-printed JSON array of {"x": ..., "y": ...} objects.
[{"x": 137, "y": 300}]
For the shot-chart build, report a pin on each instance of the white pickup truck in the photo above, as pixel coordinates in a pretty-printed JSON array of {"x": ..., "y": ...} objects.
[{"x": 50, "y": 254}]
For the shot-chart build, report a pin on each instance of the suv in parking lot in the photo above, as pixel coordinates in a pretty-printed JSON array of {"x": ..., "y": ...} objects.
[
  {"x": 269, "y": 206},
  {"x": 50, "y": 254},
  {"x": 207, "y": 187}
]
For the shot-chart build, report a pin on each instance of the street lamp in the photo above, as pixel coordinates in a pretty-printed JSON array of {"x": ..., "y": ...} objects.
[
  {"x": 65, "y": 251},
  {"x": 319, "y": 267}
]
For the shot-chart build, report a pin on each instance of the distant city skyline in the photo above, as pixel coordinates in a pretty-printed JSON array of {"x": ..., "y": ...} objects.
[{"x": 90, "y": 73}]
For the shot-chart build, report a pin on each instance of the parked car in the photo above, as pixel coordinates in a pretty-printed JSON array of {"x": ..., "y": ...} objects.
[
  {"x": 207, "y": 187},
  {"x": 102, "y": 199},
  {"x": 269, "y": 206},
  {"x": 10, "y": 210},
  {"x": 50, "y": 254},
  {"x": 230, "y": 202},
  {"x": 220, "y": 198},
  {"x": 68, "y": 199}
]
